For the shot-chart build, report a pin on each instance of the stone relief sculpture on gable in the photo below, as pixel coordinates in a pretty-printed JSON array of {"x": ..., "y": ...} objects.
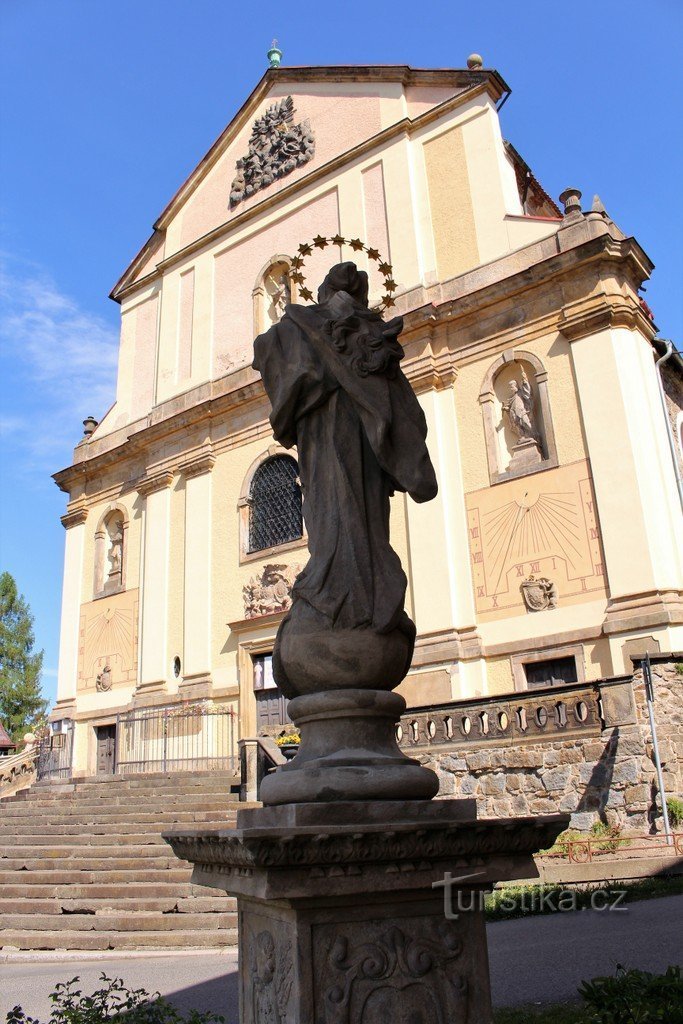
[
  {"x": 271, "y": 591},
  {"x": 276, "y": 147}
]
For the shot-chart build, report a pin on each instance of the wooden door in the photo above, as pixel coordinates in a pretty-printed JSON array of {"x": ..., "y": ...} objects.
[{"x": 106, "y": 749}]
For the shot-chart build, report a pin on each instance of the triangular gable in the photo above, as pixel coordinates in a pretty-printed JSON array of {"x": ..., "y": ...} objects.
[{"x": 345, "y": 106}]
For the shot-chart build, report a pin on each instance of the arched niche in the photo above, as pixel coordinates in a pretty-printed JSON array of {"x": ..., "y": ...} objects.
[
  {"x": 246, "y": 506},
  {"x": 518, "y": 424},
  {"x": 273, "y": 290},
  {"x": 111, "y": 551}
]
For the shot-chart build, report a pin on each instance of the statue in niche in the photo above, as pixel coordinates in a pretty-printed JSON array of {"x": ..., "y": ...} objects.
[
  {"x": 518, "y": 414},
  {"x": 103, "y": 681},
  {"x": 332, "y": 374},
  {"x": 115, "y": 554},
  {"x": 279, "y": 290}
]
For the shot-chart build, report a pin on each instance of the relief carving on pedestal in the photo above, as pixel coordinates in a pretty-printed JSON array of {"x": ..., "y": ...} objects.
[
  {"x": 271, "y": 591},
  {"x": 396, "y": 977},
  {"x": 272, "y": 975},
  {"x": 276, "y": 147}
]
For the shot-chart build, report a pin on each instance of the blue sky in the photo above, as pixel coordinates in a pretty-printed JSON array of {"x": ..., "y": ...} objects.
[{"x": 107, "y": 106}]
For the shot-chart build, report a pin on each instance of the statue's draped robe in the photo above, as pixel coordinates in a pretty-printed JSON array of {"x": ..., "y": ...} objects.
[{"x": 359, "y": 439}]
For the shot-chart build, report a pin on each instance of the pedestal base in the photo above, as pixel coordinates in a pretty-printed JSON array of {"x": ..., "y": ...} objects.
[{"x": 342, "y": 915}]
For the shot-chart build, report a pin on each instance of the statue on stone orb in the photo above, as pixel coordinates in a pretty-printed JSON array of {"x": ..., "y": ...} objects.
[{"x": 332, "y": 374}]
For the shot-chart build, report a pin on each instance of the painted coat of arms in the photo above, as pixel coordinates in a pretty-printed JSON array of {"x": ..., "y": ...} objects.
[
  {"x": 276, "y": 147},
  {"x": 539, "y": 593}
]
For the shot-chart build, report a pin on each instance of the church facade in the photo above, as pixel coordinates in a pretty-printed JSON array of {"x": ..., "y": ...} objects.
[{"x": 548, "y": 557}]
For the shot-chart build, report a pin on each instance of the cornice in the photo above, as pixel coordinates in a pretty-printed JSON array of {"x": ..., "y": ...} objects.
[
  {"x": 198, "y": 465},
  {"x": 598, "y": 313},
  {"x": 74, "y": 517},
  {"x": 154, "y": 482}
]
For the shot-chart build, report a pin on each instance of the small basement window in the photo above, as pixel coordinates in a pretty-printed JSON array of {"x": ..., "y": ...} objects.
[{"x": 554, "y": 672}]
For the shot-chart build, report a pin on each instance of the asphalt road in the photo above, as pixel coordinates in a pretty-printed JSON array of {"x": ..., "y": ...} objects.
[{"x": 538, "y": 959}]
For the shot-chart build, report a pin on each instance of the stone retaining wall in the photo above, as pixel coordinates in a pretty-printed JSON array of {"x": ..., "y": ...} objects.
[{"x": 603, "y": 772}]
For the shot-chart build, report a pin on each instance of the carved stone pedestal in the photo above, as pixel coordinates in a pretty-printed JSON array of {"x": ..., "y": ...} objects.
[{"x": 340, "y": 921}]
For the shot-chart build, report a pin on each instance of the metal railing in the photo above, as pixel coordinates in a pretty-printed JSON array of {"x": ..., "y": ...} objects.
[
  {"x": 510, "y": 719},
  {"x": 55, "y": 754},
  {"x": 175, "y": 738}
]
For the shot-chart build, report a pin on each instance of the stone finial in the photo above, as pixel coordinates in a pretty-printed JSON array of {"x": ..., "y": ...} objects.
[
  {"x": 89, "y": 426},
  {"x": 475, "y": 62},
  {"x": 571, "y": 197},
  {"x": 598, "y": 206},
  {"x": 274, "y": 55}
]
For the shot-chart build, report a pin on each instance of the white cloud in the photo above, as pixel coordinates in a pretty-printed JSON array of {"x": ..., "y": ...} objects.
[{"x": 61, "y": 360}]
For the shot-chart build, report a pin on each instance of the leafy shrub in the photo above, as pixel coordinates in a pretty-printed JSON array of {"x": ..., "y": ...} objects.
[
  {"x": 609, "y": 836},
  {"x": 636, "y": 997},
  {"x": 111, "y": 1003},
  {"x": 675, "y": 808}
]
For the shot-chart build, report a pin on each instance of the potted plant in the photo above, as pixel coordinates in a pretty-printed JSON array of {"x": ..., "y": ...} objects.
[{"x": 288, "y": 743}]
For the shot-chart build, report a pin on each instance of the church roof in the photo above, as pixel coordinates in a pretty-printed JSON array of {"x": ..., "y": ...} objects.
[
  {"x": 5, "y": 741},
  {"x": 459, "y": 78}
]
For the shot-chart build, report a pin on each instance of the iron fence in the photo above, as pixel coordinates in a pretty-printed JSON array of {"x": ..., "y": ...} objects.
[
  {"x": 175, "y": 739},
  {"x": 55, "y": 754}
]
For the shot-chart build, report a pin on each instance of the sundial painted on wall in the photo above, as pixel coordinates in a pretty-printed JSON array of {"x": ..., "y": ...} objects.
[
  {"x": 543, "y": 526},
  {"x": 277, "y": 146}
]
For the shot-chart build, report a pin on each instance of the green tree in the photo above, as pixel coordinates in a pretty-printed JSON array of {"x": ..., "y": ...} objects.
[{"x": 21, "y": 701}]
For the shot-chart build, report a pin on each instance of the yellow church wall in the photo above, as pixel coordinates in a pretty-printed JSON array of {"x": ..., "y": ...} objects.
[{"x": 455, "y": 238}]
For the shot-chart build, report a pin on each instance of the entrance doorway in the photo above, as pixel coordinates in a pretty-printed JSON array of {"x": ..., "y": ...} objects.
[{"x": 106, "y": 749}]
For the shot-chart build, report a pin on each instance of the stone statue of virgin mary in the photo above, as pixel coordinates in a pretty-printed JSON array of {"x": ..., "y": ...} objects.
[{"x": 332, "y": 374}]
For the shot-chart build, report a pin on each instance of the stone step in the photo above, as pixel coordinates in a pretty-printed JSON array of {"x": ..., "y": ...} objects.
[
  {"x": 175, "y": 802},
  {"x": 73, "y": 940},
  {"x": 32, "y": 841},
  {"x": 162, "y": 905},
  {"x": 103, "y": 890},
  {"x": 110, "y": 829},
  {"x": 133, "y": 921},
  {"x": 148, "y": 817},
  {"x": 74, "y": 863},
  {"x": 64, "y": 877},
  {"x": 80, "y": 851}
]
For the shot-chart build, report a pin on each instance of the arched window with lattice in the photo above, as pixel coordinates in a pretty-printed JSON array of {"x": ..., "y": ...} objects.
[{"x": 275, "y": 515}]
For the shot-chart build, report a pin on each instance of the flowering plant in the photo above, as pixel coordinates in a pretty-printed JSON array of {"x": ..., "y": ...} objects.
[{"x": 288, "y": 739}]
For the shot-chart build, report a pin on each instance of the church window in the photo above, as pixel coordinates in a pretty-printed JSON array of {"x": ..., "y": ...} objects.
[{"x": 275, "y": 512}]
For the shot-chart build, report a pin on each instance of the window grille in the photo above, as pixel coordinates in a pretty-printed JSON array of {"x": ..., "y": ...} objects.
[{"x": 275, "y": 515}]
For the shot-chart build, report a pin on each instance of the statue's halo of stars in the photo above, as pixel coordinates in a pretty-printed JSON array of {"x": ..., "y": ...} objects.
[{"x": 319, "y": 242}]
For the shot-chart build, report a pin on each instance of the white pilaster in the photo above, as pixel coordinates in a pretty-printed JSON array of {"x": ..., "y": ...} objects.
[
  {"x": 67, "y": 674},
  {"x": 154, "y": 591},
  {"x": 197, "y": 589}
]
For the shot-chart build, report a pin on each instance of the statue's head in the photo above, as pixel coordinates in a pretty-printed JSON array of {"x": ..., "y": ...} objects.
[
  {"x": 345, "y": 277},
  {"x": 513, "y": 387}
]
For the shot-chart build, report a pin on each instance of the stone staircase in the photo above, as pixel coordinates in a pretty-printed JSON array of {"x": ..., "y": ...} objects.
[{"x": 83, "y": 864}]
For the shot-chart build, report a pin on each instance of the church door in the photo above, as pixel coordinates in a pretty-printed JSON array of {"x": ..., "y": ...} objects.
[{"x": 106, "y": 749}]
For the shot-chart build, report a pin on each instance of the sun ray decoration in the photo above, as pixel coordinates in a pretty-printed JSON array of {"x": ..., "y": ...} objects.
[{"x": 321, "y": 242}]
